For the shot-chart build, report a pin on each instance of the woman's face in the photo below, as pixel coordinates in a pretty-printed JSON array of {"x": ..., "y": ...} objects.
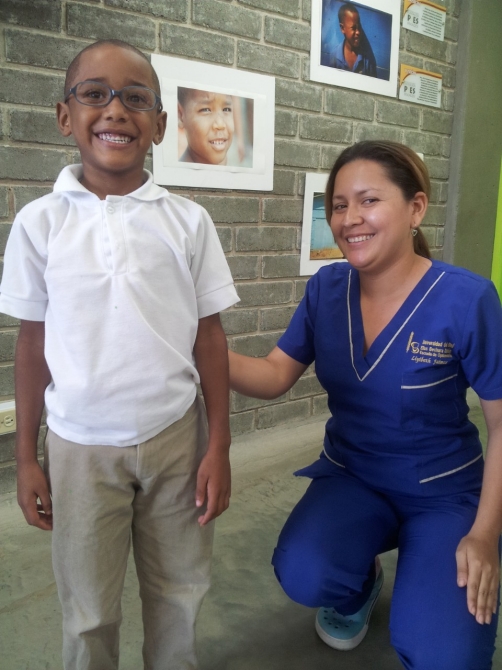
[{"x": 371, "y": 220}]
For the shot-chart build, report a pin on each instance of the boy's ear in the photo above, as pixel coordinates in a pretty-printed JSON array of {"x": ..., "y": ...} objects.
[
  {"x": 161, "y": 128},
  {"x": 63, "y": 117},
  {"x": 180, "y": 116}
]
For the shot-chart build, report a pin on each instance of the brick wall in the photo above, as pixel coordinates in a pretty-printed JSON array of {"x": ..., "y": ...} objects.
[{"x": 260, "y": 232}]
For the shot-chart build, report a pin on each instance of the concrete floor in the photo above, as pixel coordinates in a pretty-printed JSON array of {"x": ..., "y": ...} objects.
[{"x": 246, "y": 623}]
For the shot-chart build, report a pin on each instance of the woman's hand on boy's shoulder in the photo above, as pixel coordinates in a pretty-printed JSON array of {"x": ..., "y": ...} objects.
[
  {"x": 32, "y": 487},
  {"x": 213, "y": 484}
]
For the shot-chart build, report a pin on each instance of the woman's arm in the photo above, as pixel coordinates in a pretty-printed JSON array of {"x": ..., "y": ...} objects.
[
  {"x": 264, "y": 378},
  {"x": 478, "y": 563}
]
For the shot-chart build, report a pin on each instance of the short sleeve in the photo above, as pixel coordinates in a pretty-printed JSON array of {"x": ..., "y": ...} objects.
[
  {"x": 214, "y": 286},
  {"x": 23, "y": 289},
  {"x": 481, "y": 348},
  {"x": 298, "y": 340}
]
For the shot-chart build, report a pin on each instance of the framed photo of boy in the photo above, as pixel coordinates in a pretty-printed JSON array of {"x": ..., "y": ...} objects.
[
  {"x": 318, "y": 247},
  {"x": 356, "y": 44},
  {"x": 220, "y": 126}
]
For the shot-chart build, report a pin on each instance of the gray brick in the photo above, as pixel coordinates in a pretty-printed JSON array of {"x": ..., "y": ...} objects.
[
  {"x": 240, "y": 321},
  {"x": 231, "y": 210},
  {"x": 296, "y": 154},
  {"x": 8, "y": 478},
  {"x": 287, "y": 33},
  {"x": 34, "y": 164},
  {"x": 306, "y": 68},
  {"x": 25, "y": 194},
  {"x": 255, "y": 345},
  {"x": 448, "y": 100},
  {"x": 243, "y": 267},
  {"x": 239, "y": 403},
  {"x": 437, "y": 122},
  {"x": 423, "y": 142},
  {"x": 4, "y": 234},
  {"x": 280, "y": 266},
  {"x": 282, "y": 210},
  {"x": 320, "y": 404},
  {"x": 225, "y": 235},
  {"x": 277, "y": 414},
  {"x": 265, "y": 238},
  {"x": 7, "y": 447},
  {"x": 301, "y": 181},
  {"x": 440, "y": 237},
  {"x": 3, "y": 126},
  {"x": 4, "y": 202},
  {"x": 329, "y": 156},
  {"x": 430, "y": 235},
  {"x": 409, "y": 59},
  {"x": 174, "y": 10},
  {"x": 265, "y": 293},
  {"x": 435, "y": 191},
  {"x": 426, "y": 46},
  {"x": 452, "y": 53},
  {"x": 306, "y": 386},
  {"x": 267, "y": 59},
  {"x": 284, "y": 182},
  {"x": 306, "y": 10},
  {"x": 241, "y": 423},
  {"x": 41, "y": 50},
  {"x": 6, "y": 321},
  {"x": 7, "y": 380},
  {"x": 286, "y": 123},
  {"x": 300, "y": 287},
  {"x": 324, "y": 129},
  {"x": 365, "y": 131},
  {"x": 451, "y": 29},
  {"x": 455, "y": 7},
  {"x": 437, "y": 254},
  {"x": 8, "y": 340},
  {"x": 227, "y": 18},
  {"x": 34, "y": 126},
  {"x": 446, "y": 147},
  {"x": 276, "y": 318},
  {"x": 196, "y": 44},
  {"x": 298, "y": 95},
  {"x": 444, "y": 192},
  {"x": 97, "y": 23},
  {"x": 446, "y": 71},
  {"x": 287, "y": 7},
  {"x": 350, "y": 104},
  {"x": 439, "y": 168},
  {"x": 436, "y": 216},
  {"x": 398, "y": 113},
  {"x": 41, "y": 14},
  {"x": 30, "y": 88}
]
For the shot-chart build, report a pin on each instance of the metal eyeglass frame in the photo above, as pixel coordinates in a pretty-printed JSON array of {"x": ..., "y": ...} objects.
[{"x": 114, "y": 94}]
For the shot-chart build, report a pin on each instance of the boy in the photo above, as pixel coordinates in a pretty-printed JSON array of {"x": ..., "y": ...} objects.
[
  {"x": 118, "y": 285},
  {"x": 208, "y": 121}
]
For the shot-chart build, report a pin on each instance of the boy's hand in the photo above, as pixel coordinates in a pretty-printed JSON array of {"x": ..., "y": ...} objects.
[
  {"x": 213, "y": 481},
  {"x": 32, "y": 486}
]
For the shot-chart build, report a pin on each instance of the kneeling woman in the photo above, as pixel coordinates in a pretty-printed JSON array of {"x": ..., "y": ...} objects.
[{"x": 397, "y": 339}]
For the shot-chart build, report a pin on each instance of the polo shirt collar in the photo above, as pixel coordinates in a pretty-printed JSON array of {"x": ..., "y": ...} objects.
[{"x": 69, "y": 176}]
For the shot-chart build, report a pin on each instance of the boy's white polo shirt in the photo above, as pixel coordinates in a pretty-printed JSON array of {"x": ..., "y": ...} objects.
[{"x": 121, "y": 284}]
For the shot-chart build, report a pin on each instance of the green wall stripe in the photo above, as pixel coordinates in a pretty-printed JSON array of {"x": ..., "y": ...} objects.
[{"x": 497, "y": 243}]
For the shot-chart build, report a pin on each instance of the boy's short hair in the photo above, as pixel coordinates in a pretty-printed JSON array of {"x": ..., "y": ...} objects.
[
  {"x": 347, "y": 7},
  {"x": 71, "y": 72},
  {"x": 184, "y": 94}
]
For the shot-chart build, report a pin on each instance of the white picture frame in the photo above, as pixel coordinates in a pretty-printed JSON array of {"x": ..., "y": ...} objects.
[
  {"x": 382, "y": 19},
  {"x": 317, "y": 239},
  {"x": 248, "y": 149}
]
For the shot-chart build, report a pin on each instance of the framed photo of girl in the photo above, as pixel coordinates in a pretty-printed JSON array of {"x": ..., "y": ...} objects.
[
  {"x": 356, "y": 44},
  {"x": 220, "y": 126},
  {"x": 318, "y": 247}
]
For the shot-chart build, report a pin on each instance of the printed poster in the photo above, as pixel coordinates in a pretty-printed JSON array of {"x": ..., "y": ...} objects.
[
  {"x": 425, "y": 17},
  {"x": 420, "y": 86}
]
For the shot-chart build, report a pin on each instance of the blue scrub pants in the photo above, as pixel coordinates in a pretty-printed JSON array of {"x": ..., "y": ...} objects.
[{"x": 325, "y": 557}]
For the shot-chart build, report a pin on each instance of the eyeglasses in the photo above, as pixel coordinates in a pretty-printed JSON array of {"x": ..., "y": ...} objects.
[{"x": 97, "y": 94}]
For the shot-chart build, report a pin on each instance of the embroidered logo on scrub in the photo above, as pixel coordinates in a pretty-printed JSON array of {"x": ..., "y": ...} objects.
[{"x": 431, "y": 352}]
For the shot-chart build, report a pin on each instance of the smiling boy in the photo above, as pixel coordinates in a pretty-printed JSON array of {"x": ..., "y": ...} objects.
[
  {"x": 208, "y": 121},
  {"x": 118, "y": 285}
]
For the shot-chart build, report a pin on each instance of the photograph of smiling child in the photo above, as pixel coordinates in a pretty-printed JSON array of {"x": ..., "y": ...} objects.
[{"x": 214, "y": 128}]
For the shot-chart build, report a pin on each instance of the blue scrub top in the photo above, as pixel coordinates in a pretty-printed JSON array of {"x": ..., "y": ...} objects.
[{"x": 399, "y": 415}]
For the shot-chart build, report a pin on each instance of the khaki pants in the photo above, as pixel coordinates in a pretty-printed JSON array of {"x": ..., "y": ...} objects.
[{"x": 102, "y": 497}]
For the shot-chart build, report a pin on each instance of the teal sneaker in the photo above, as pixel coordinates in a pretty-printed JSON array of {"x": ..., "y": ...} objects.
[{"x": 346, "y": 632}]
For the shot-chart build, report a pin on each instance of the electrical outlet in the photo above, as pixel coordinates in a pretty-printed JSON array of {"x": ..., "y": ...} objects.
[{"x": 7, "y": 417}]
